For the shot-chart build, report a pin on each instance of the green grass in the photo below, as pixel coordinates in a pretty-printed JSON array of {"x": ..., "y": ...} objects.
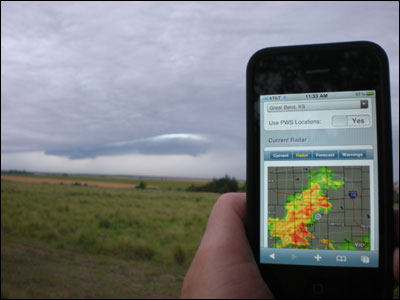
[
  {"x": 156, "y": 231},
  {"x": 163, "y": 184},
  {"x": 167, "y": 184},
  {"x": 34, "y": 270},
  {"x": 64, "y": 241}
]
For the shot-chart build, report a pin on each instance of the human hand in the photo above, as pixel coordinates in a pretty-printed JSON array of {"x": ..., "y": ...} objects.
[{"x": 224, "y": 265}]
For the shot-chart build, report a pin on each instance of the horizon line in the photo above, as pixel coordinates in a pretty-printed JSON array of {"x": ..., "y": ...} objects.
[{"x": 115, "y": 175}]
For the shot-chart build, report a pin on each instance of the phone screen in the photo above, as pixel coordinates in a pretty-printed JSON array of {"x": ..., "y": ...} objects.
[{"x": 319, "y": 192}]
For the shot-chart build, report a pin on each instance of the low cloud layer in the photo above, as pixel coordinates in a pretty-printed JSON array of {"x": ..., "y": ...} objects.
[
  {"x": 211, "y": 164},
  {"x": 168, "y": 144}
]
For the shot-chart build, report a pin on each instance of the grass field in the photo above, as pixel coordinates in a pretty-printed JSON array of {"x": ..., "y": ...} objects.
[
  {"x": 64, "y": 241},
  {"x": 68, "y": 241},
  {"x": 160, "y": 183}
]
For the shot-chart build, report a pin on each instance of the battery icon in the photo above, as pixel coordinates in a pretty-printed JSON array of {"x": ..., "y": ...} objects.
[{"x": 370, "y": 93}]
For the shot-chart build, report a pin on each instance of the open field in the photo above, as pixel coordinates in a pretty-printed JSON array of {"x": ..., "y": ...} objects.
[
  {"x": 63, "y": 241},
  {"x": 35, "y": 270},
  {"x": 160, "y": 183},
  {"x": 66, "y": 241},
  {"x": 68, "y": 181}
]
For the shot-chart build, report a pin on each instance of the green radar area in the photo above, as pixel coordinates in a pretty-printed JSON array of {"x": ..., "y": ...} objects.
[{"x": 325, "y": 208}]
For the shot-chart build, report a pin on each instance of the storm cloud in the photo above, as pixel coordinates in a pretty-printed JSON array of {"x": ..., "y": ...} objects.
[
  {"x": 93, "y": 79},
  {"x": 189, "y": 144}
]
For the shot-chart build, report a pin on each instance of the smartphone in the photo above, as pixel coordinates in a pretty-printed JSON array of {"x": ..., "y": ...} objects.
[{"x": 319, "y": 170}]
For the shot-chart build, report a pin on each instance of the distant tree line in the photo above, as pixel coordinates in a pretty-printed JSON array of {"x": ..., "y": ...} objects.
[
  {"x": 15, "y": 172},
  {"x": 221, "y": 185}
]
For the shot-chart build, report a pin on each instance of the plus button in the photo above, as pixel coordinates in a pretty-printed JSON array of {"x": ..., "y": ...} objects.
[{"x": 318, "y": 257}]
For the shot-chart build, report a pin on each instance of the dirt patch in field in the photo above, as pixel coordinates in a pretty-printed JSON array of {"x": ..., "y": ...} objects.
[{"x": 68, "y": 181}]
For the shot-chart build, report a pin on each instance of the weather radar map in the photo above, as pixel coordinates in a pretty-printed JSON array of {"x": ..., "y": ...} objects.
[{"x": 326, "y": 208}]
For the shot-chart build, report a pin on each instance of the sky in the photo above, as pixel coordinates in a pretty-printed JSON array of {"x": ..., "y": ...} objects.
[{"x": 155, "y": 88}]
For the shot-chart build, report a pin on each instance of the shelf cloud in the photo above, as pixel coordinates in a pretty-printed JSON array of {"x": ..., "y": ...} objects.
[{"x": 166, "y": 144}]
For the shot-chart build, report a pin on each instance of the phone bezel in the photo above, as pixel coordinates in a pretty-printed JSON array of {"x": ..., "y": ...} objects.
[{"x": 382, "y": 275}]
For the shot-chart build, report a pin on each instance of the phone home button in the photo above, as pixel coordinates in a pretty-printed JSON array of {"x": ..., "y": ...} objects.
[{"x": 318, "y": 289}]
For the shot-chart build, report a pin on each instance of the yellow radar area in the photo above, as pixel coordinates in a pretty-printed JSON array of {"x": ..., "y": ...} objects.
[{"x": 292, "y": 231}]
